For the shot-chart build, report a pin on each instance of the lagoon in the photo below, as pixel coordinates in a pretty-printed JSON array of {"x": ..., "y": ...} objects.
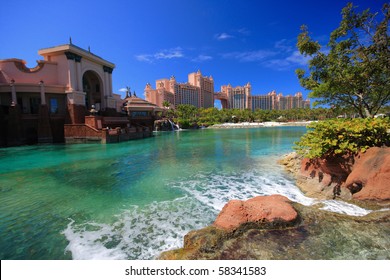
[{"x": 133, "y": 200}]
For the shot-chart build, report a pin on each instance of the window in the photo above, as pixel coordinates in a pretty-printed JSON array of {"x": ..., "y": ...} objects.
[
  {"x": 20, "y": 102},
  {"x": 34, "y": 105},
  {"x": 139, "y": 114},
  {"x": 53, "y": 106}
]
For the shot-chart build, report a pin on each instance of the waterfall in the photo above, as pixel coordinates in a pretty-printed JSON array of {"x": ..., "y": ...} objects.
[{"x": 174, "y": 126}]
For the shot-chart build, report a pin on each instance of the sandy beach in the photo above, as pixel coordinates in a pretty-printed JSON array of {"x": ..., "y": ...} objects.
[{"x": 260, "y": 124}]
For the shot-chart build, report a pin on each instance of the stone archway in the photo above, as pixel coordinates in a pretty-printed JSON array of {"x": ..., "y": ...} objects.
[{"x": 93, "y": 87}]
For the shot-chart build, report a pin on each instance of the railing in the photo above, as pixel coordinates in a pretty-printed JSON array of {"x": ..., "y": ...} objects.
[{"x": 81, "y": 131}]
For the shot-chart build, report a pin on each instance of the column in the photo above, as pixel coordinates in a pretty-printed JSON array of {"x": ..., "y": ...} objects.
[
  {"x": 14, "y": 100},
  {"x": 43, "y": 97},
  {"x": 105, "y": 101},
  {"x": 72, "y": 71},
  {"x": 106, "y": 85},
  {"x": 110, "y": 84},
  {"x": 108, "y": 80},
  {"x": 79, "y": 77}
]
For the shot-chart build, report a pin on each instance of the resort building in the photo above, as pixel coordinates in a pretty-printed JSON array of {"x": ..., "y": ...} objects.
[
  {"x": 264, "y": 102},
  {"x": 67, "y": 97},
  {"x": 237, "y": 97},
  {"x": 240, "y": 97},
  {"x": 198, "y": 91}
]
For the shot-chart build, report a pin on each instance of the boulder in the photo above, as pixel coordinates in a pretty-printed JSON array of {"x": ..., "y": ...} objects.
[
  {"x": 236, "y": 219},
  {"x": 370, "y": 176},
  {"x": 273, "y": 210},
  {"x": 329, "y": 170},
  {"x": 365, "y": 176}
]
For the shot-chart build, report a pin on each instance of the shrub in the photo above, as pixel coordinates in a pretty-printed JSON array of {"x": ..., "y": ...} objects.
[{"x": 342, "y": 137}]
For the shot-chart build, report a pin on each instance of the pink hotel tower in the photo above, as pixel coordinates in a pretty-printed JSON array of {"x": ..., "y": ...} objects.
[{"x": 199, "y": 91}]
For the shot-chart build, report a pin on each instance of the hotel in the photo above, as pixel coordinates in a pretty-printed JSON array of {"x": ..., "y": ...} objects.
[
  {"x": 198, "y": 91},
  {"x": 237, "y": 97},
  {"x": 240, "y": 97}
]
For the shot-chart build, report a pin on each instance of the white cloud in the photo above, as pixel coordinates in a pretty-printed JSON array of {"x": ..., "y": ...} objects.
[
  {"x": 168, "y": 54},
  {"x": 250, "y": 56},
  {"x": 294, "y": 59},
  {"x": 223, "y": 36},
  {"x": 284, "y": 45},
  {"x": 144, "y": 57},
  {"x": 162, "y": 54},
  {"x": 278, "y": 64},
  {"x": 122, "y": 89},
  {"x": 202, "y": 58},
  {"x": 244, "y": 31},
  {"x": 297, "y": 58}
]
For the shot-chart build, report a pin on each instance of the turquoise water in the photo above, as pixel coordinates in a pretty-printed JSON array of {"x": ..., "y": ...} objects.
[{"x": 133, "y": 200}]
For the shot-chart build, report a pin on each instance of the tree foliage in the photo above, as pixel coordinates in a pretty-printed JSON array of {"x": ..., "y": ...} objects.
[
  {"x": 166, "y": 104},
  {"x": 190, "y": 116},
  {"x": 353, "y": 70},
  {"x": 343, "y": 137}
]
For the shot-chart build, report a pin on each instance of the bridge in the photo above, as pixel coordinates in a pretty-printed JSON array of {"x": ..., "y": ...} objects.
[{"x": 223, "y": 98}]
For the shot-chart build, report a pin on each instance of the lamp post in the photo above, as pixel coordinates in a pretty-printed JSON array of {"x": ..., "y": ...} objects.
[{"x": 93, "y": 111}]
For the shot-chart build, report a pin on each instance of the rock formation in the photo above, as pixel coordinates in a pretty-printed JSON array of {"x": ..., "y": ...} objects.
[
  {"x": 370, "y": 176},
  {"x": 267, "y": 210},
  {"x": 365, "y": 176},
  {"x": 271, "y": 228},
  {"x": 237, "y": 217}
]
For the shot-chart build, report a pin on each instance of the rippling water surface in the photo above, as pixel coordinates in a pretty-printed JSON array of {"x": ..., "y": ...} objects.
[{"x": 135, "y": 199}]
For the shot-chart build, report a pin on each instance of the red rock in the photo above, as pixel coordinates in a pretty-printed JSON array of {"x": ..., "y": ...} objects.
[
  {"x": 260, "y": 209},
  {"x": 370, "y": 176},
  {"x": 328, "y": 170}
]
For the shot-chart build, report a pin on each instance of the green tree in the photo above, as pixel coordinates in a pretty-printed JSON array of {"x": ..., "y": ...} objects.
[
  {"x": 353, "y": 71},
  {"x": 337, "y": 137},
  {"x": 166, "y": 104}
]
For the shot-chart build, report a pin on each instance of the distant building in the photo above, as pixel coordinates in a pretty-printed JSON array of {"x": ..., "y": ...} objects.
[
  {"x": 160, "y": 94},
  {"x": 240, "y": 97},
  {"x": 237, "y": 97},
  {"x": 264, "y": 102},
  {"x": 198, "y": 91}
]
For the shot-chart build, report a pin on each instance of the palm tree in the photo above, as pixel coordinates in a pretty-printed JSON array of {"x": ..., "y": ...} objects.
[{"x": 166, "y": 104}]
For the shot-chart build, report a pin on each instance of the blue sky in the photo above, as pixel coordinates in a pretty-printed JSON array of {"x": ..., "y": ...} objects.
[{"x": 235, "y": 41}]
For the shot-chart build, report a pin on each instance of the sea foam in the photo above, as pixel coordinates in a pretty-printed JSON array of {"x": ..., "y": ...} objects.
[
  {"x": 138, "y": 233},
  {"x": 143, "y": 233}
]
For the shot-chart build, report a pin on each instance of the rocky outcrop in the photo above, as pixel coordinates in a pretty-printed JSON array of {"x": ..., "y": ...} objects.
[
  {"x": 266, "y": 210},
  {"x": 370, "y": 176},
  {"x": 236, "y": 219},
  {"x": 314, "y": 234},
  {"x": 365, "y": 176}
]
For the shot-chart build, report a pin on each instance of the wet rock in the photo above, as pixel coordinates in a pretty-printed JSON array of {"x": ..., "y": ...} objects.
[
  {"x": 236, "y": 219},
  {"x": 318, "y": 235},
  {"x": 365, "y": 176},
  {"x": 370, "y": 176},
  {"x": 320, "y": 178},
  {"x": 271, "y": 210}
]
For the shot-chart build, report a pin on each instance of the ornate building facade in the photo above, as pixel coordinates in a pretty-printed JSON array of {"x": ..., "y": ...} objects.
[
  {"x": 240, "y": 97},
  {"x": 36, "y": 103},
  {"x": 237, "y": 97},
  {"x": 198, "y": 91}
]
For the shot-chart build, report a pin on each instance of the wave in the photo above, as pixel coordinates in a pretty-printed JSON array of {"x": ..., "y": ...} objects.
[
  {"x": 138, "y": 233},
  {"x": 142, "y": 233}
]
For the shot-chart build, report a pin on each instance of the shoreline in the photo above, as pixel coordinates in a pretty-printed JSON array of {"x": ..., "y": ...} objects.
[{"x": 260, "y": 124}]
